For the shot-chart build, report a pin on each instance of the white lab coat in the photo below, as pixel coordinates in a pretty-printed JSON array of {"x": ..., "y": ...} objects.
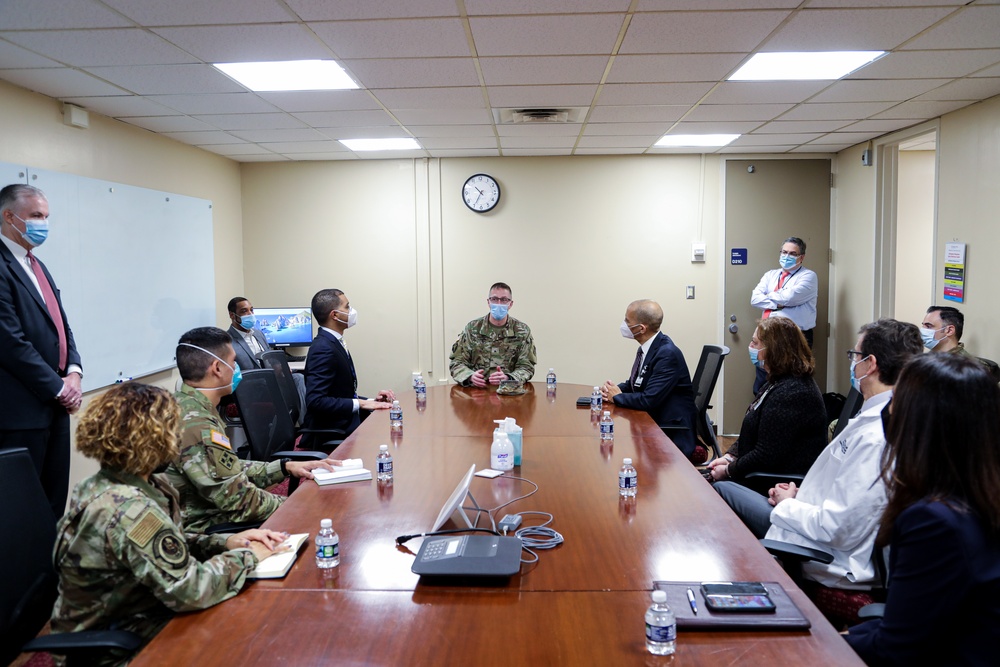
[{"x": 840, "y": 503}]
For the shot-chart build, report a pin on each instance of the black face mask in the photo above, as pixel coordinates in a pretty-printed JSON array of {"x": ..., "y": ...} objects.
[{"x": 886, "y": 416}]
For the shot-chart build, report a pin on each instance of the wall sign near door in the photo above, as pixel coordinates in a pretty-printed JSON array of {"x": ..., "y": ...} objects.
[
  {"x": 738, "y": 256},
  {"x": 954, "y": 272}
]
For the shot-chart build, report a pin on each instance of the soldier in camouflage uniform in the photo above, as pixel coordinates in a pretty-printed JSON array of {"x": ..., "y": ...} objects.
[
  {"x": 124, "y": 559},
  {"x": 494, "y": 348},
  {"x": 215, "y": 486}
]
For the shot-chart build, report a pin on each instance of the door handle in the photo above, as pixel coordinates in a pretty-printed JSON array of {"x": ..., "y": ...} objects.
[{"x": 733, "y": 329}]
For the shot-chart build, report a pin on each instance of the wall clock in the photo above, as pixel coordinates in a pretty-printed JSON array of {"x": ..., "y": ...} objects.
[{"x": 481, "y": 193}]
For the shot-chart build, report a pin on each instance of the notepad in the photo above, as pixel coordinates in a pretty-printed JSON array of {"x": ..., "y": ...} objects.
[
  {"x": 341, "y": 475},
  {"x": 278, "y": 565},
  {"x": 349, "y": 464}
]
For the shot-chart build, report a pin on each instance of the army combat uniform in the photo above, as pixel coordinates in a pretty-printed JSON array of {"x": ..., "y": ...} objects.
[
  {"x": 124, "y": 563},
  {"x": 215, "y": 485},
  {"x": 483, "y": 347}
]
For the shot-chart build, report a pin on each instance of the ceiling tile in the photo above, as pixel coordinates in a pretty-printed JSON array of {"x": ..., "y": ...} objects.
[
  {"x": 324, "y": 10},
  {"x": 755, "y": 150},
  {"x": 699, "y": 32},
  {"x": 451, "y": 131},
  {"x": 663, "y": 5},
  {"x": 120, "y": 106},
  {"x": 252, "y": 121},
  {"x": 60, "y": 83},
  {"x": 304, "y": 157},
  {"x": 345, "y": 118},
  {"x": 221, "y": 103},
  {"x": 880, "y": 126},
  {"x": 391, "y": 155},
  {"x": 972, "y": 28},
  {"x": 965, "y": 89},
  {"x": 264, "y": 157},
  {"x": 503, "y": 7},
  {"x": 433, "y": 143},
  {"x": 653, "y": 93},
  {"x": 673, "y": 68},
  {"x": 723, "y": 127},
  {"x": 465, "y": 152},
  {"x": 764, "y": 92},
  {"x": 321, "y": 100},
  {"x": 199, "y": 12},
  {"x": 771, "y": 139},
  {"x": 168, "y": 79},
  {"x": 842, "y": 138},
  {"x": 928, "y": 64},
  {"x": 237, "y": 149},
  {"x": 988, "y": 71},
  {"x": 852, "y": 29},
  {"x": 626, "y": 129},
  {"x": 165, "y": 124},
  {"x": 539, "y": 70},
  {"x": 365, "y": 132},
  {"x": 14, "y": 57},
  {"x": 921, "y": 110},
  {"x": 54, "y": 14},
  {"x": 884, "y": 3},
  {"x": 537, "y": 142},
  {"x": 637, "y": 114},
  {"x": 92, "y": 48},
  {"x": 722, "y": 112},
  {"x": 414, "y": 72},
  {"x": 636, "y": 141},
  {"x": 305, "y": 147},
  {"x": 431, "y": 98},
  {"x": 518, "y": 152},
  {"x": 542, "y": 96},
  {"x": 443, "y": 116},
  {"x": 412, "y": 38},
  {"x": 796, "y": 126},
  {"x": 275, "y": 136},
  {"x": 580, "y": 150},
  {"x": 199, "y": 138},
  {"x": 246, "y": 43},
  {"x": 836, "y": 111},
  {"x": 829, "y": 149},
  {"x": 540, "y": 130},
  {"x": 546, "y": 35},
  {"x": 850, "y": 90}
]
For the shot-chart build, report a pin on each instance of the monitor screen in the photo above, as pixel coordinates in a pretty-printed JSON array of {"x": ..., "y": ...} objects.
[{"x": 284, "y": 327}]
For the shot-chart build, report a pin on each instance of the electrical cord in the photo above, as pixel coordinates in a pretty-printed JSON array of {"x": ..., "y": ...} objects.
[{"x": 403, "y": 539}]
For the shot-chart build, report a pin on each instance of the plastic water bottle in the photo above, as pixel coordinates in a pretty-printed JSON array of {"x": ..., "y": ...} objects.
[
  {"x": 550, "y": 381},
  {"x": 327, "y": 546},
  {"x": 395, "y": 417},
  {"x": 595, "y": 400},
  {"x": 384, "y": 462},
  {"x": 607, "y": 426},
  {"x": 421, "y": 389},
  {"x": 661, "y": 627},
  {"x": 627, "y": 479}
]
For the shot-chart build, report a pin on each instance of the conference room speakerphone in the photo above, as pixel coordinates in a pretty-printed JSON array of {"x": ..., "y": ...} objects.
[{"x": 468, "y": 556}]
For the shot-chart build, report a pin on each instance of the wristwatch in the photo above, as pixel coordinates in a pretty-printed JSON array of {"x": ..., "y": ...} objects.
[{"x": 284, "y": 468}]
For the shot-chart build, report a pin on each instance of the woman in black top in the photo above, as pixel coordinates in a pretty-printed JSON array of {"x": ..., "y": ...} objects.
[{"x": 784, "y": 429}]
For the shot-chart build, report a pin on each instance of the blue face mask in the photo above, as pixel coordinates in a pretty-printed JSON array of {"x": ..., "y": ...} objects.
[
  {"x": 787, "y": 262},
  {"x": 237, "y": 372},
  {"x": 498, "y": 311},
  {"x": 248, "y": 322},
  {"x": 35, "y": 231},
  {"x": 856, "y": 381},
  {"x": 928, "y": 335},
  {"x": 754, "y": 358}
]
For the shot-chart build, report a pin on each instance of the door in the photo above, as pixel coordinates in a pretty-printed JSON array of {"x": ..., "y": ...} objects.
[{"x": 766, "y": 202}]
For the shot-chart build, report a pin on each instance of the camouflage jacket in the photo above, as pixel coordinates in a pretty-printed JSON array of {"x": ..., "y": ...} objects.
[
  {"x": 215, "y": 486},
  {"x": 124, "y": 563},
  {"x": 482, "y": 346}
]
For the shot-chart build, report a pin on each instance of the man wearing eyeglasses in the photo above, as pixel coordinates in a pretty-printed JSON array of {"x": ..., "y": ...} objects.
[
  {"x": 790, "y": 291},
  {"x": 494, "y": 348}
]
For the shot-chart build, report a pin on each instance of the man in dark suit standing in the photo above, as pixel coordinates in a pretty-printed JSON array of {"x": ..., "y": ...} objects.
[
  {"x": 660, "y": 382},
  {"x": 40, "y": 368},
  {"x": 332, "y": 399}
]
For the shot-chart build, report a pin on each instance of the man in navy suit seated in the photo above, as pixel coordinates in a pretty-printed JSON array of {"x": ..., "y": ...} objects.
[
  {"x": 660, "y": 382},
  {"x": 332, "y": 400}
]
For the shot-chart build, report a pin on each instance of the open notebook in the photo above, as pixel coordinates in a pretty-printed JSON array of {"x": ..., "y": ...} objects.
[
  {"x": 351, "y": 470},
  {"x": 278, "y": 565}
]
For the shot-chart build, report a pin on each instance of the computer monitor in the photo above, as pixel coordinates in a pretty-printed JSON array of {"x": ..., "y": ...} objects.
[{"x": 285, "y": 327}]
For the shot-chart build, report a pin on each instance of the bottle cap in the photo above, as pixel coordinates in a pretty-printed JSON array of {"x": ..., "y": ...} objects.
[
  {"x": 597, "y": 389},
  {"x": 326, "y": 523},
  {"x": 607, "y": 413},
  {"x": 395, "y": 404},
  {"x": 627, "y": 462},
  {"x": 552, "y": 370},
  {"x": 383, "y": 448},
  {"x": 659, "y": 596}
]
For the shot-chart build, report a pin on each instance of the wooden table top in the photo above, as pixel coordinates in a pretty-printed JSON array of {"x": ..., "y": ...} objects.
[{"x": 582, "y": 602}]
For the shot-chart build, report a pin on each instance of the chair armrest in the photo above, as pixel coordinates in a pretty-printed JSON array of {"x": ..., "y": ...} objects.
[
  {"x": 871, "y": 611},
  {"x": 795, "y": 552},
  {"x": 336, "y": 432},
  {"x": 299, "y": 455},
  {"x": 69, "y": 643},
  {"x": 762, "y": 482}
]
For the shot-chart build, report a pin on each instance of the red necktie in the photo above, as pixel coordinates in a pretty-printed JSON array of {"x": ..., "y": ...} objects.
[
  {"x": 781, "y": 281},
  {"x": 52, "y": 304}
]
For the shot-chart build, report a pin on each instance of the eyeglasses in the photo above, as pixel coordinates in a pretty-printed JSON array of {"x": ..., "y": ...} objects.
[
  {"x": 502, "y": 300},
  {"x": 785, "y": 253},
  {"x": 854, "y": 355}
]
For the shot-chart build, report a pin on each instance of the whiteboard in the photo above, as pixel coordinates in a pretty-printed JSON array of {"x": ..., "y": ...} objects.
[{"x": 135, "y": 268}]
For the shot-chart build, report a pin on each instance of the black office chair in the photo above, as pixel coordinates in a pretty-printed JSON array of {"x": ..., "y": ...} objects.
[
  {"x": 30, "y": 581},
  {"x": 852, "y": 406},
  {"x": 706, "y": 375},
  {"x": 277, "y": 361}
]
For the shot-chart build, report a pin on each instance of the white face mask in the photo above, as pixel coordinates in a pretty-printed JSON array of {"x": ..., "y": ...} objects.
[
  {"x": 352, "y": 317},
  {"x": 627, "y": 330}
]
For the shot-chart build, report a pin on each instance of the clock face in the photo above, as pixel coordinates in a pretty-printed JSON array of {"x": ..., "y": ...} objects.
[{"x": 481, "y": 193}]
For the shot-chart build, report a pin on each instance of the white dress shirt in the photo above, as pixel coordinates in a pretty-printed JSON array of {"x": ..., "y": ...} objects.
[{"x": 796, "y": 298}]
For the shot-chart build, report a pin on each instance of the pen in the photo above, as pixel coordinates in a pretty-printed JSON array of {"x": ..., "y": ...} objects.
[{"x": 694, "y": 605}]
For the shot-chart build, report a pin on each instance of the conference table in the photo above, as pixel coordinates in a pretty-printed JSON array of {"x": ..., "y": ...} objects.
[{"x": 581, "y": 603}]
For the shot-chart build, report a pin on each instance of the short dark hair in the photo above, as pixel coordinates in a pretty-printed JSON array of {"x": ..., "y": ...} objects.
[
  {"x": 786, "y": 351},
  {"x": 501, "y": 286},
  {"x": 797, "y": 241},
  {"x": 950, "y": 315},
  {"x": 324, "y": 302},
  {"x": 192, "y": 363},
  {"x": 13, "y": 192},
  {"x": 893, "y": 343},
  {"x": 235, "y": 301},
  {"x": 943, "y": 440}
]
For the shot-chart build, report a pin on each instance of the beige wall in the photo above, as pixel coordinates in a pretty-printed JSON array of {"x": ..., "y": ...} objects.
[
  {"x": 968, "y": 205},
  {"x": 915, "y": 235},
  {"x": 576, "y": 238},
  {"x": 32, "y": 133}
]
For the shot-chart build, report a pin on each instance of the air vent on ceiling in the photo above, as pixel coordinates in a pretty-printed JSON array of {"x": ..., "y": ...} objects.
[{"x": 539, "y": 116}]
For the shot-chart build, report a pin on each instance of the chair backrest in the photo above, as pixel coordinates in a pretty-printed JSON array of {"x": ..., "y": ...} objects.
[
  {"x": 277, "y": 361},
  {"x": 265, "y": 417},
  {"x": 29, "y": 579},
  {"x": 851, "y": 407},
  {"x": 992, "y": 367},
  {"x": 705, "y": 378}
]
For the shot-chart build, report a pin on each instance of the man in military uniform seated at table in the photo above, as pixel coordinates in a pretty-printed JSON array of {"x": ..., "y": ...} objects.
[
  {"x": 124, "y": 558},
  {"x": 495, "y": 347},
  {"x": 216, "y": 486}
]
